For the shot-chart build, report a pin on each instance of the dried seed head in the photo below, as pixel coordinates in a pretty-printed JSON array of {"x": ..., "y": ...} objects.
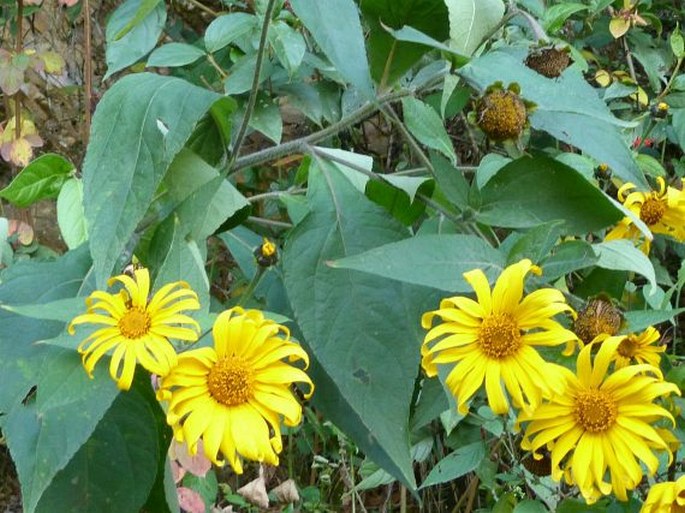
[
  {"x": 501, "y": 114},
  {"x": 600, "y": 316},
  {"x": 550, "y": 62}
]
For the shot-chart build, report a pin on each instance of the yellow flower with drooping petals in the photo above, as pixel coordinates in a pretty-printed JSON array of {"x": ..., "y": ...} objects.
[
  {"x": 493, "y": 340},
  {"x": 137, "y": 329},
  {"x": 666, "y": 497},
  {"x": 602, "y": 422},
  {"x": 663, "y": 211},
  {"x": 232, "y": 396},
  {"x": 640, "y": 348}
]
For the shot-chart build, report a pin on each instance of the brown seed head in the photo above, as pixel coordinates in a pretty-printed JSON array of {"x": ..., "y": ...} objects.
[
  {"x": 501, "y": 115},
  {"x": 598, "y": 317},
  {"x": 550, "y": 62}
]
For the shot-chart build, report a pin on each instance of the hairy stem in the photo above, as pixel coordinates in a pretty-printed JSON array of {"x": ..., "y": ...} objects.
[
  {"x": 242, "y": 131},
  {"x": 300, "y": 145}
]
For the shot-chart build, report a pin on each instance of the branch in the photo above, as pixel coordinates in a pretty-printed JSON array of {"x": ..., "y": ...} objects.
[{"x": 255, "y": 85}]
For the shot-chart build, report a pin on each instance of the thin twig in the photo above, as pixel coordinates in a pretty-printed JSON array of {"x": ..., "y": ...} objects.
[
  {"x": 275, "y": 194},
  {"x": 390, "y": 112},
  {"x": 87, "y": 71},
  {"x": 255, "y": 85},
  {"x": 269, "y": 222},
  {"x": 216, "y": 66},
  {"x": 671, "y": 80},
  {"x": 204, "y": 8},
  {"x": 298, "y": 145},
  {"x": 19, "y": 48},
  {"x": 629, "y": 59}
]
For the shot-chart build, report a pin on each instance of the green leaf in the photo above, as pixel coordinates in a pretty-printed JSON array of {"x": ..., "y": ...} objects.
[
  {"x": 530, "y": 506},
  {"x": 145, "y": 7},
  {"x": 638, "y": 320},
  {"x": 336, "y": 28},
  {"x": 288, "y": 44},
  {"x": 184, "y": 261},
  {"x": 392, "y": 56},
  {"x": 459, "y": 463},
  {"x": 567, "y": 108},
  {"x": 432, "y": 402},
  {"x": 561, "y": 193},
  {"x": 138, "y": 39},
  {"x": 677, "y": 44},
  {"x": 556, "y": 15},
  {"x": 266, "y": 118},
  {"x": 225, "y": 29},
  {"x": 115, "y": 469},
  {"x": 567, "y": 257},
  {"x": 241, "y": 75},
  {"x": 242, "y": 242},
  {"x": 32, "y": 283},
  {"x": 451, "y": 181},
  {"x": 650, "y": 166},
  {"x": 489, "y": 166},
  {"x": 436, "y": 261},
  {"x": 70, "y": 215},
  {"x": 41, "y": 179},
  {"x": 397, "y": 195},
  {"x": 471, "y": 21},
  {"x": 425, "y": 124},
  {"x": 44, "y": 435},
  {"x": 358, "y": 388},
  {"x": 622, "y": 255},
  {"x": 174, "y": 54},
  {"x": 140, "y": 125},
  {"x": 536, "y": 243},
  {"x": 202, "y": 200},
  {"x": 63, "y": 310}
]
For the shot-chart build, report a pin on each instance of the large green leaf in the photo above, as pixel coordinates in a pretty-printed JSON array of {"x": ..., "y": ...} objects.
[
  {"x": 622, "y": 255},
  {"x": 42, "y": 178},
  {"x": 129, "y": 37},
  {"x": 201, "y": 199},
  {"x": 437, "y": 261},
  {"x": 226, "y": 29},
  {"x": 425, "y": 124},
  {"x": 336, "y": 28},
  {"x": 115, "y": 469},
  {"x": 140, "y": 125},
  {"x": 389, "y": 56},
  {"x": 471, "y": 21},
  {"x": 363, "y": 331},
  {"x": 531, "y": 191},
  {"x": 32, "y": 283},
  {"x": 459, "y": 463},
  {"x": 567, "y": 108},
  {"x": 70, "y": 216},
  {"x": 175, "y": 54},
  {"x": 44, "y": 435}
]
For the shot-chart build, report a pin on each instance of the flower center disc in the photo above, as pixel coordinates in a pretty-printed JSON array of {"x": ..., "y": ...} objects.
[
  {"x": 499, "y": 336},
  {"x": 135, "y": 323},
  {"x": 230, "y": 381},
  {"x": 652, "y": 211},
  {"x": 595, "y": 411},
  {"x": 627, "y": 347}
]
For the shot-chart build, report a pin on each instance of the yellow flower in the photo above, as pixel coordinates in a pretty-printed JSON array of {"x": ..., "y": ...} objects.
[
  {"x": 136, "y": 329},
  {"x": 492, "y": 340},
  {"x": 663, "y": 211},
  {"x": 640, "y": 349},
  {"x": 666, "y": 498},
  {"x": 233, "y": 395},
  {"x": 602, "y": 422}
]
